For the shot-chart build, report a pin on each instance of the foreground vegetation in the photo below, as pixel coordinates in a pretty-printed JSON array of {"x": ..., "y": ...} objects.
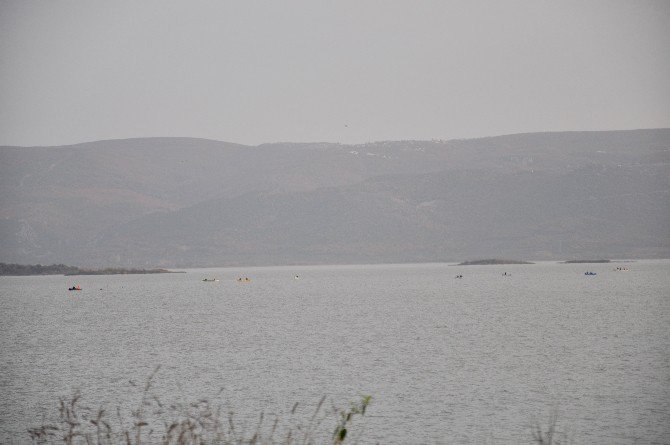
[
  {"x": 198, "y": 423},
  {"x": 62, "y": 269},
  {"x": 202, "y": 423}
]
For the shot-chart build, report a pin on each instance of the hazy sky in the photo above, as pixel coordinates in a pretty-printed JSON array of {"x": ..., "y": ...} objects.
[{"x": 340, "y": 71}]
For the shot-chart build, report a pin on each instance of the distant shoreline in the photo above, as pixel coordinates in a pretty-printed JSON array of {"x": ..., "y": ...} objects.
[
  {"x": 586, "y": 261},
  {"x": 491, "y": 262},
  {"x": 62, "y": 269},
  {"x": 124, "y": 272}
]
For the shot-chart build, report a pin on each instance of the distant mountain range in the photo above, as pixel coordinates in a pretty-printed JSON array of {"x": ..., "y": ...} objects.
[{"x": 180, "y": 202}]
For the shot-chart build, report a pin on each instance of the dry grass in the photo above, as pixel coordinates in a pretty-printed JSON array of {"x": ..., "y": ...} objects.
[
  {"x": 549, "y": 435},
  {"x": 202, "y": 423},
  {"x": 198, "y": 423}
]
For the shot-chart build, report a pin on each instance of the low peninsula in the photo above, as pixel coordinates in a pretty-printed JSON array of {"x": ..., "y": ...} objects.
[
  {"x": 586, "y": 261},
  {"x": 62, "y": 269},
  {"x": 490, "y": 262}
]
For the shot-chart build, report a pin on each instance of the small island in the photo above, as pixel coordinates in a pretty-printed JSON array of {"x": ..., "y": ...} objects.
[
  {"x": 62, "y": 269},
  {"x": 586, "y": 261},
  {"x": 490, "y": 262}
]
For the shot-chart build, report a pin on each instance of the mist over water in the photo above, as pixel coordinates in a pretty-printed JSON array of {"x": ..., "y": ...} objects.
[{"x": 472, "y": 360}]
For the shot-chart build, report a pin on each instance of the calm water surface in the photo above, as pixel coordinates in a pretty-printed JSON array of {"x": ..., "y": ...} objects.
[{"x": 475, "y": 360}]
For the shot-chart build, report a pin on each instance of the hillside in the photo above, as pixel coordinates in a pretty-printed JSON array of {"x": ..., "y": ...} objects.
[{"x": 190, "y": 202}]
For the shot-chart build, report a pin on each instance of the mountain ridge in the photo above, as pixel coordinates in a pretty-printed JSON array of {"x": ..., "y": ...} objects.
[
  {"x": 142, "y": 138},
  {"x": 409, "y": 200}
]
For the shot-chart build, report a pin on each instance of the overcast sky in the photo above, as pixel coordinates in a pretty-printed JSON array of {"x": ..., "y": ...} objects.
[{"x": 339, "y": 71}]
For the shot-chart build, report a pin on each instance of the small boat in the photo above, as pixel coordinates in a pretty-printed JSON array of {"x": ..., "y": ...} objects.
[
  {"x": 621, "y": 269},
  {"x": 589, "y": 273},
  {"x": 210, "y": 279},
  {"x": 74, "y": 288}
]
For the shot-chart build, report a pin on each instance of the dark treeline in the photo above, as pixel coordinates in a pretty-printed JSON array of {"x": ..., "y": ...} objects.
[
  {"x": 36, "y": 269},
  {"x": 62, "y": 269}
]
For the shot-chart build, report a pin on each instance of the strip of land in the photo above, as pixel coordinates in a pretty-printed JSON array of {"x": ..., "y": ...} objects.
[
  {"x": 491, "y": 262},
  {"x": 585, "y": 261},
  {"x": 62, "y": 269}
]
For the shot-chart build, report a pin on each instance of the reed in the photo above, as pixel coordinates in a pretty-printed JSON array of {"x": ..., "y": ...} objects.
[
  {"x": 198, "y": 423},
  {"x": 204, "y": 423},
  {"x": 549, "y": 435}
]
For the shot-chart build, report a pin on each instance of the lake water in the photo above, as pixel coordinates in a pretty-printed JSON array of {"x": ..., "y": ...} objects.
[{"x": 473, "y": 360}]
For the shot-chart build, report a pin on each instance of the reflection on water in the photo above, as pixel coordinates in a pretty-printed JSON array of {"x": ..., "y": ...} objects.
[{"x": 471, "y": 360}]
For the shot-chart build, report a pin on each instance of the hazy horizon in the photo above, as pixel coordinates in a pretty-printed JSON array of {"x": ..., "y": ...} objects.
[
  {"x": 278, "y": 142},
  {"x": 342, "y": 72}
]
